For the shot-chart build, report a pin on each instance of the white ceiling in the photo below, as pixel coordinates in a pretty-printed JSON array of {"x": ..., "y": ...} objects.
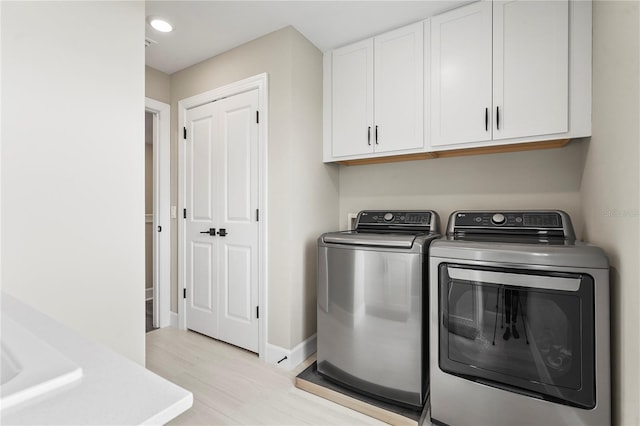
[{"x": 203, "y": 29}]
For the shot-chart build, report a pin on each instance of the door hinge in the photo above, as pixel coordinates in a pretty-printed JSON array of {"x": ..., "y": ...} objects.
[
  {"x": 257, "y": 215},
  {"x": 258, "y": 312},
  {"x": 184, "y": 293},
  {"x": 257, "y": 116},
  {"x": 184, "y": 213},
  {"x": 184, "y": 133}
]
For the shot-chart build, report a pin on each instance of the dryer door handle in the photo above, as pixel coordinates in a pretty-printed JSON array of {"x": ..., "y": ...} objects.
[{"x": 515, "y": 280}]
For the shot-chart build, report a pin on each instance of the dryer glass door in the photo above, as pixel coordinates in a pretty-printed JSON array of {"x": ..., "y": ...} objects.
[{"x": 524, "y": 331}]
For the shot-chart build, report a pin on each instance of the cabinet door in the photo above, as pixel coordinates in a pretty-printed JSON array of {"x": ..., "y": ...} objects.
[
  {"x": 461, "y": 107},
  {"x": 399, "y": 89},
  {"x": 530, "y": 68},
  {"x": 352, "y": 99}
]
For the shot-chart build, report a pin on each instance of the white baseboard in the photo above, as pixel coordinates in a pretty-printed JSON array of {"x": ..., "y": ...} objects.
[
  {"x": 276, "y": 354},
  {"x": 173, "y": 320}
]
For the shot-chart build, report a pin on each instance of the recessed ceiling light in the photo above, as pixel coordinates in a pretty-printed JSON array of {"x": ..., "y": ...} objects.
[{"x": 160, "y": 24}]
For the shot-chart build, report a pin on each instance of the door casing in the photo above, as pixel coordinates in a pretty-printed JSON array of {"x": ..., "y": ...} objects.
[
  {"x": 259, "y": 82},
  {"x": 161, "y": 212}
]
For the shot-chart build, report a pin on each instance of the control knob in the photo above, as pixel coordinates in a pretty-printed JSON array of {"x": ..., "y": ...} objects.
[
  {"x": 388, "y": 217},
  {"x": 498, "y": 219}
]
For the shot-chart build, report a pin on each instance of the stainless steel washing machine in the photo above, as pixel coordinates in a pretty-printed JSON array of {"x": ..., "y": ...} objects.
[
  {"x": 372, "y": 305},
  {"x": 519, "y": 321}
]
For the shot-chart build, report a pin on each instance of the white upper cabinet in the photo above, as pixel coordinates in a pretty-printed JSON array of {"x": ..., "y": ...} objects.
[
  {"x": 352, "y": 99},
  {"x": 530, "y": 68},
  {"x": 510, "y": 71},
  {"x": 374, "y": 96},
  {"x": 398, "y": 88},
  {"x": 488, "y": 73},
  {"x": 461, "y": 45}
]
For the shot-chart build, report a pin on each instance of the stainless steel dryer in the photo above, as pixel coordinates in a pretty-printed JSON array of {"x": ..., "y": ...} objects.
[
  {"x": 519, "y": 320},
  {"x": 372, "y": 304}
]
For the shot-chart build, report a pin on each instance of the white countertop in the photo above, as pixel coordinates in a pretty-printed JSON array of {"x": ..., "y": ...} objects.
[{"x": 113, "y": 390}]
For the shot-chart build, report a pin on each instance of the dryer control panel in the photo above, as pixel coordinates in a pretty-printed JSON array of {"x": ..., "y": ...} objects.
[{"x": 536, "y": 222}]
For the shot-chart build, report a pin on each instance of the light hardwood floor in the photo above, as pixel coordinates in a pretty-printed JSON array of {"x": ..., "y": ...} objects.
[{"x": 233, "y": 387}]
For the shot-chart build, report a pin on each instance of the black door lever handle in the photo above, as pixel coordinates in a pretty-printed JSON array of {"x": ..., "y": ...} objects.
[
  {"x": 222, "y": 232},
  {"x": 211, "y": 231}
]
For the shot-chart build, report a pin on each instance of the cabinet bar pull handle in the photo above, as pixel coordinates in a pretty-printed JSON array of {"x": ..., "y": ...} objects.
[
  {"x": 369, "y": 136},
  {"x": 486, "y": 119},
  {"x": 498, "y": 117},
  {"x": 376, "y": 135}
]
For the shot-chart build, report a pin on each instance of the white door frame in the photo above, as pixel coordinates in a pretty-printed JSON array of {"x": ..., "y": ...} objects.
[
  {"x": 259, "y": 82},
  {"x": 161, "y": 210}
]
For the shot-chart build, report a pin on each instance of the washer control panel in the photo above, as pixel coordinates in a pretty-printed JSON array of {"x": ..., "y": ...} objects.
[{"x": 397, "y": 218}]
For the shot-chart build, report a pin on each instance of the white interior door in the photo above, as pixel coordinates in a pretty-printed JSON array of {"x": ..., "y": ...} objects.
[{"x": 221, "y": 252}]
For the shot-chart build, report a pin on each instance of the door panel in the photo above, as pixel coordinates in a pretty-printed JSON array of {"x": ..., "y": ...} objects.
[
  {"x": 237, "y": 284},
  {"x": 461, "y": 72},
  {"x": 222, "y": 193},
  {"x": 352, "y": 94},
  {"x": 202, "y": 278},
  {"x": 237, "y": 144},
  {"x": 399, "y": 76},
  {"x": 238, "y": 138},
  {"x": 201, "y": 168},
  {"x": 201, "y": 253},
  {"x": 531, "y": 68},
  {"x": 237, "y": 306}
]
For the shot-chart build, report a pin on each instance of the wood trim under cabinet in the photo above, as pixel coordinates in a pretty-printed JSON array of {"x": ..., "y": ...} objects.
[{"x": 528, "y": 146}]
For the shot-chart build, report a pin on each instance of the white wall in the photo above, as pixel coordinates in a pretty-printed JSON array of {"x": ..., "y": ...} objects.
[
  {"x": 73, "y": 165},
  {"x": 299, "y": 184},
  {"x": 314, "y": 186},
  {"x": 544, "y": 179},
  {"x": 611, "y": 188},
  {"x": 157, "y": 85}
]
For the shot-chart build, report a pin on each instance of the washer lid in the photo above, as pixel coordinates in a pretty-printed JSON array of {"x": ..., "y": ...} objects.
[{"x": 369, "y": 239}]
